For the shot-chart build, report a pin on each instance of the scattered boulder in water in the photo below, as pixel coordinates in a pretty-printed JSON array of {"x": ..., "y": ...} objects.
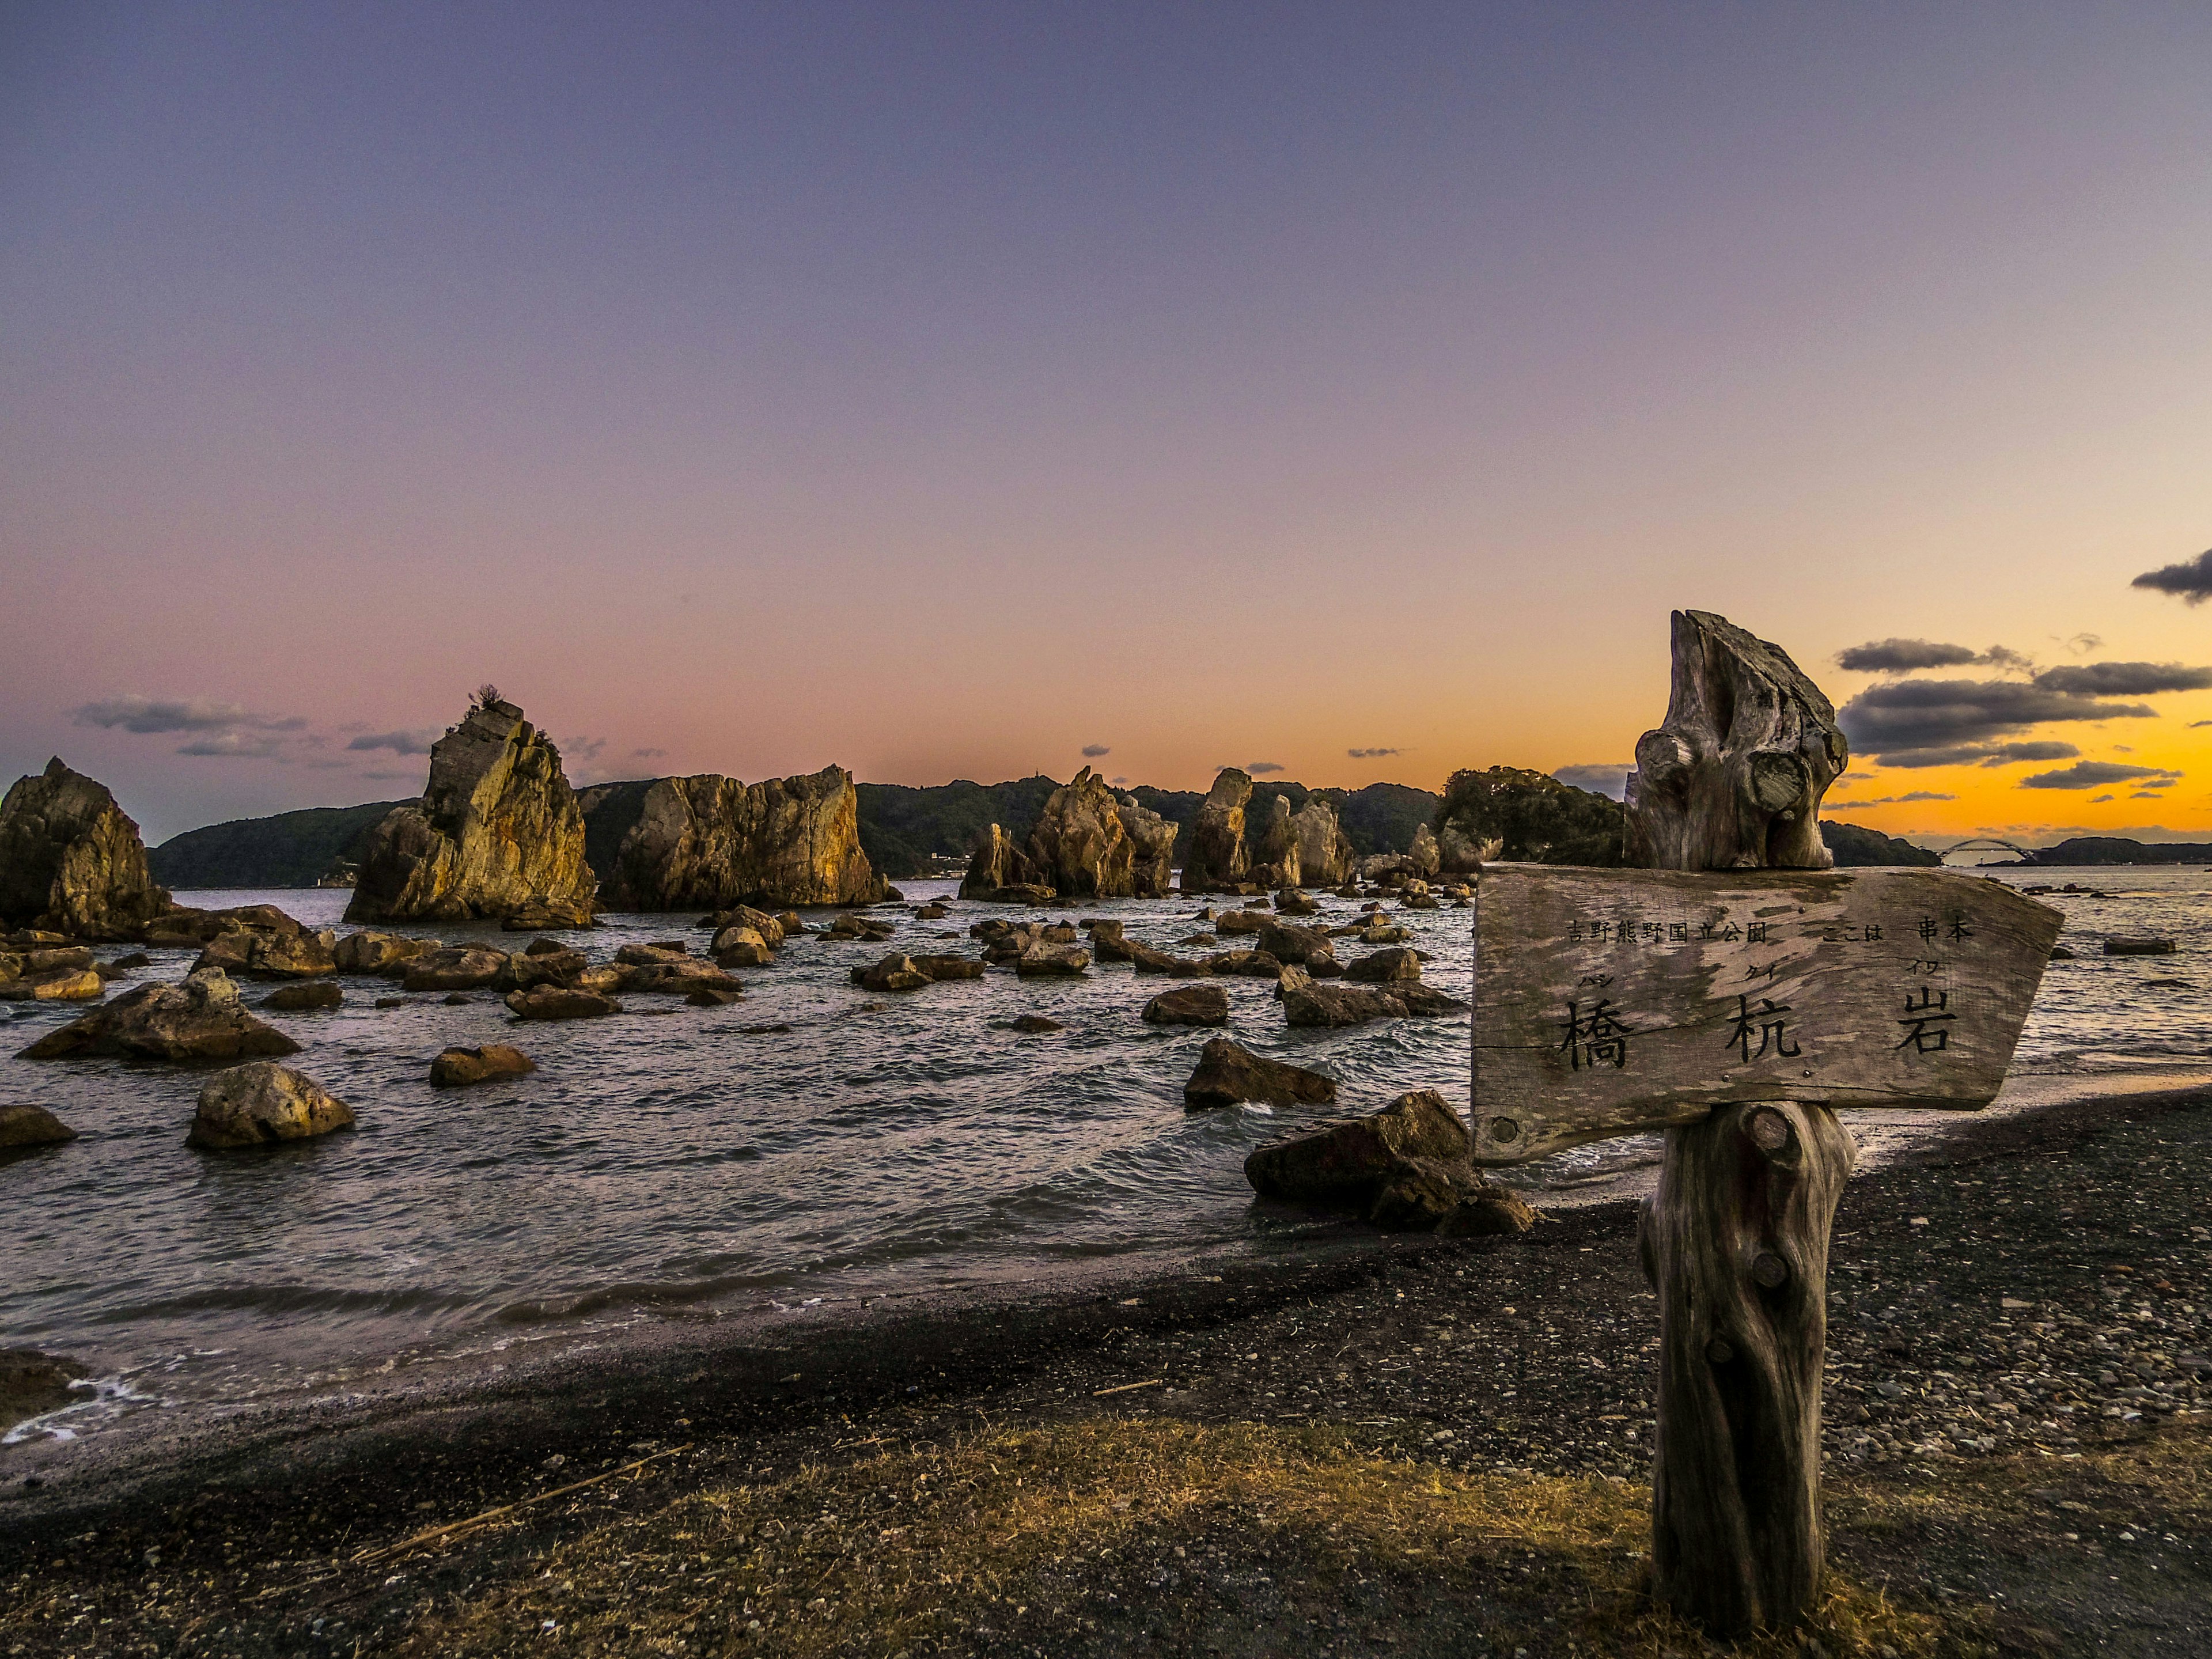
[
  {"x": 304, "y": 994},
  {"x": 497, "y": 832},
  {"x": 678, "y": 976},
  {"x": 1228, "y": 1074},
  {"x": 1292, "y": 902},
  {"x": 1032, "y": 1025},
  {"x": 1405, "y": 1167},
  {"x": 201, "y": 1019},
  {"x": 1108, "y": 942},
  {"x": 1044, "y": 960},
  {"x": 54, "y": 985},
  {"x": 456, "y": 967},
  {"x": 1150, "y": 961},
  {"x": 1384, "y": 933},
  {"x": 894, "y": 973},
  {"x": 2139, "y": 947},
  {"x": 371, "y": 953},
  {"x": 555, "y": 964},
  {"x": 1286, "y": 941},
  {"x": 1425, "y": 1000},
  {"x": 742, "y": 947},
  {"x": 71, "y": 861},
  {"x": 853, "y": 925},
  {"x": 24, "y": 1128},
  {"x": 1385, "y": 966},
  {"x": 931, "y": 913},
  {"x": 1308, "y": 1004},
  {"x": 456, "y": 1069},
  {"x": 942, "y": 967},
  {"x": 558, "y": 1002},
  {"x": 268, "y": 953},
  {"x": 262, "y": 1103},
  {"x": 1194, "y": 1005},
  {"x": 709, "y": 996},
  {"x": 1243, "y": 921}
]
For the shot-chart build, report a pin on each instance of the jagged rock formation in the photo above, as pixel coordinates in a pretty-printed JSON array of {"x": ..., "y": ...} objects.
[
  {"x": 998, "y": 870},
  {"x": 498, "y": 830},
  {"x": 1325, "y": 855},
  {"x": 1732, "y": 778},
  {"x": 1218, "y": 858},
  {"x": 1151, "y": 841},
  {"x": 709, "y": 842},
  {"x": 71, "y": 861},
  {"x": 1080, "y": 846},
  {"x": 200, "y": 1020},
  {"x": 1423, "y": 853},
  {"x": 1524, "y": 817},
  {"x": 1275, "y": 849}
]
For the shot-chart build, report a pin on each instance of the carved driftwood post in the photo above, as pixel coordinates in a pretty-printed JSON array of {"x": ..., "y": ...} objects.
[{"x": 1735, "y": 1241}]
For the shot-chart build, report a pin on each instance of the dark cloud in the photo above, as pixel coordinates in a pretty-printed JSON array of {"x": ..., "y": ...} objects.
[
  {"x": 2083, "y": 644},
  {"x": 1372, "y": 754},
  {"x": 1121, "y": 783},
  {"x": 416, "y": 741},
  {"x": 2191, "y": 579},
  {"x": 147, "y": 715},
  {"x": 583, "y": 749},
  {"x": 2095, "y": 800},
  {"x": 1916, "y": 722},
  {"x": 2147, "y": 795},
  {"x": 2091, "y": 774},
  {"x": 646, "y": 754},
  {"x": 1599, "y": 779},
  {"x": 2043, "y": 748},
  {"x": 1890, "y": 800},
  {"x": 2124, "y": 679},
  {"x": 1902, "y": 656},
  {"x": 1093, "y": 750},
  {"x": 1262, "y": 768},
  {"x": 237, "y": 745}
]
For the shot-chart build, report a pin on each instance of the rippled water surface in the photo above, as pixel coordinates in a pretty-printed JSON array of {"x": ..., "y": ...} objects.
[{"x": 667, "y": 1162}]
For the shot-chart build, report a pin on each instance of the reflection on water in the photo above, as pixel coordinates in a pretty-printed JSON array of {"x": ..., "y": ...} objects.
[{"x": 666, "y": 1161}]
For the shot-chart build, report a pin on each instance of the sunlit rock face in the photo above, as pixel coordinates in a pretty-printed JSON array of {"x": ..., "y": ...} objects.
[
  {"x": 1081, "y": 845},
  {"x": 709, "y": 842},
  {"x": 1218, "y": 857},
  {"x": 1325, "y": 855},
  {"x": 1151, "y": 840},
  {"x": 497, "y": 831},
  {"x": 71, "y": 861}
]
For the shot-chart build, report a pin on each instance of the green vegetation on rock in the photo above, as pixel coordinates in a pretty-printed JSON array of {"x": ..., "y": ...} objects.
[
  {"x": 1536, "y": 819},
  {"x": 1856, "y": 848}
]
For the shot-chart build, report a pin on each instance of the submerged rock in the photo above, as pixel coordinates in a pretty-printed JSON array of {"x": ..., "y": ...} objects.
[
  {"x": 261, "y": 1103},
  {"x": 557, "y": 1002},
  {"x": 1032, "y": 1024},
  {"x": 456, "y": 1068},
  {"x": 1308, "y": 1004},
  {"x": 2139, "y": 947},
  {"x": 894, "y": 973},
  {"x": 304, "y": 994},
  {"x": 497, "y": 832},
  {"x": 71, "y": 861},
  {"x": 200, "y": 1020},
  {"x": 1405, "y": 1167},
  {"x": 1195, "y": 1005},
  {"x": 33, "y": 1383},
  {"x": 1228, "y": 1074},
  {"x": 457, "y": 967},
  {"x": 712, "y": 841},
  {"x": 23, "y": 1128}
]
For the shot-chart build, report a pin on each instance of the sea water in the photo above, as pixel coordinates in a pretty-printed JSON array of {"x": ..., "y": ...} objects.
[{"x": 678, "y": 1163}]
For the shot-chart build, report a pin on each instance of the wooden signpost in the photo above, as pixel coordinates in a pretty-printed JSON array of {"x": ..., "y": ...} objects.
[{"x": 1735, "y": 998}]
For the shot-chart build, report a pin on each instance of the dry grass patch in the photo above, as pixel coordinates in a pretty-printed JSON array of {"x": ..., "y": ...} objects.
[{"x": 1002, "y": 1536}]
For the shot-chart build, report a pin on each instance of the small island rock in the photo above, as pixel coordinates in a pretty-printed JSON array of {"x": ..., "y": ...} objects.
[{"x": 261, "y": 1103}]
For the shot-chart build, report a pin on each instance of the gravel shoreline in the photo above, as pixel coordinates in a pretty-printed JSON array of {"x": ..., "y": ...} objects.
[{"x": 2033, "y": 1288}]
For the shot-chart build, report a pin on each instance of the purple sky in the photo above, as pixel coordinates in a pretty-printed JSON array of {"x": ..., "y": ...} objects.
[{"x": 942, "y": 390}]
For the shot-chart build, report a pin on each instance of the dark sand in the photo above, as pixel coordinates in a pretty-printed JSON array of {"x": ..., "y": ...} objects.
[{"x": 2003, "y": 1478}]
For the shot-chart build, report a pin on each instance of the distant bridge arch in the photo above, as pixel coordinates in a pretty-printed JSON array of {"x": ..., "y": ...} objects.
[{"x": 1987, "y": 844}]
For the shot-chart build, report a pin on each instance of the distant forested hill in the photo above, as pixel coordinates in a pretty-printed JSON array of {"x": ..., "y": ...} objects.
[
  {"x": 902, "y": 828},
  {"x": 292, "y": 849},
  {"x": 2118, "y": 849},
  {"x": 1856, "y": 847}
]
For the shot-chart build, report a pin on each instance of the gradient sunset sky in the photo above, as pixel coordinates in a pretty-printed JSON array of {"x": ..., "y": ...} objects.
[{"x": 946, "y": 391}]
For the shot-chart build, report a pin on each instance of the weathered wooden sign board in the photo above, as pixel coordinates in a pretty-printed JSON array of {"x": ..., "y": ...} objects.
[{"x": 1612, "y": 1001}]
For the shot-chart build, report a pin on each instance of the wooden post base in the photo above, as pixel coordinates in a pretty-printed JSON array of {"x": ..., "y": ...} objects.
[{"x": 1736, "y": 1243}]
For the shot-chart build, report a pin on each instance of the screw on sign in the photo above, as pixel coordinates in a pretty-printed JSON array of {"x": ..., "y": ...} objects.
[{"x": 1736, "y": 998}]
